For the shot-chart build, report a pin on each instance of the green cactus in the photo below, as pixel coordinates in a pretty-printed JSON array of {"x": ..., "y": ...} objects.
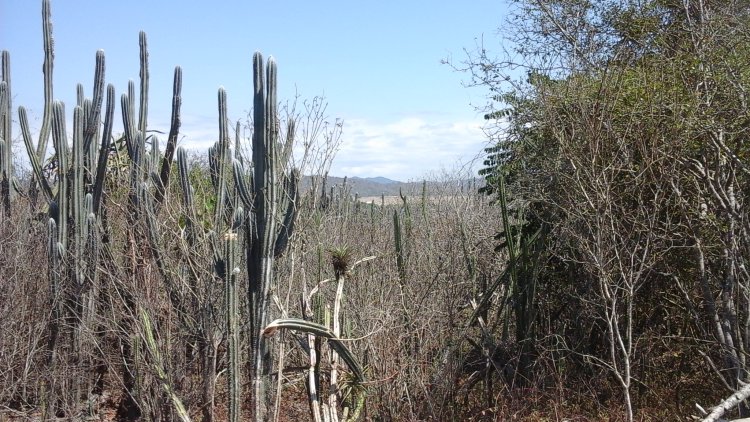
[
  {"x": 174, "y": 130},
  {"x": 6, "y": 136},
  {"x": 92, "y": 246},
  {"x": 231, "y": 286},
  {"x": 243, "y": 191},
  {"x": 33, "y": 158},
  {"x": 53, "y": 271},
  {"x": 270, "y": 199},
  {"x": 101, "y": 165},
  {"x": 76, "y": 201},
  {"x": 37, "y": 154},
  {"x": 127, "y": 106},
  {"x": 143, "y": 110},
  {"x": 219, "y": 161},
  {"x": 61, "y": 153},
  {"x": 5, "y": 180},
  {"x": 77, "y": 194},
  {"x": 187, "y": 195}
]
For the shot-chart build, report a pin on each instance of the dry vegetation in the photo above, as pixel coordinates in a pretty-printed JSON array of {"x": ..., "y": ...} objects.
[{"x": 599, "y": 275}]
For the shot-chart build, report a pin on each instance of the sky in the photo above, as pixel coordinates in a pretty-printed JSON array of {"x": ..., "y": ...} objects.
[{"x": 377, "y": 63}]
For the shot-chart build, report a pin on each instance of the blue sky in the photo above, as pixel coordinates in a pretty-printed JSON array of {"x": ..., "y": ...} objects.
[{"x": 377, "y": 63}]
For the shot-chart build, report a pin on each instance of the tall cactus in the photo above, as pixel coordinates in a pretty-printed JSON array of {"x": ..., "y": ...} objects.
[
  {"x": 271, "y": 198},
  {"x": 75, "y": 201},
  {"x": 231, "y": 271},
  {"x": 38, "y": 153},
  {"x": 6, "y": 136}
]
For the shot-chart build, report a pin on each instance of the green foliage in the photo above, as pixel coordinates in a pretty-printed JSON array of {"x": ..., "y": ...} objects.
[{"x": 631, "y": 117}]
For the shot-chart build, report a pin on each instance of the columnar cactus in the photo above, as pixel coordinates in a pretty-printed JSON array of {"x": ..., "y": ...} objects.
[
  {"x": 75, "y": 202},
  {"x": 53, "y": 272},
  {"x": 37, "y": 154},
  {"x": 263, "y": 197},
  {"x": 231, "y": 271},
  {"x": 174, "y": 131},
  {"x": 271, "y": 198},
  {"x": 6, "y": 136}
]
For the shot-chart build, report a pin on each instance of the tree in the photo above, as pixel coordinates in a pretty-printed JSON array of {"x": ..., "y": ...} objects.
[{"x": 626, "y": 138}]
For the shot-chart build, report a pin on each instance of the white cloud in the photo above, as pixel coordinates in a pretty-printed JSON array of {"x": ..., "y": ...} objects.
[
  {"x": 406, "y": 149},
  {"x": 409, "y": 148}
]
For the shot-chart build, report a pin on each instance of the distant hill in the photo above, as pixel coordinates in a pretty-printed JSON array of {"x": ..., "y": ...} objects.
[
  {"x": 382, "y": 180},
  {"x": 376, "y": 186}
]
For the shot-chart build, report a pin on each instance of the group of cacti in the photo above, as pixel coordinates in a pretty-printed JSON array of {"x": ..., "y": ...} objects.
[{"x": 255, "y": 208}]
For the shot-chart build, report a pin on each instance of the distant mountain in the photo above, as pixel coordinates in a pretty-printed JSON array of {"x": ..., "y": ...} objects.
[{"x": 381, "y": 180}]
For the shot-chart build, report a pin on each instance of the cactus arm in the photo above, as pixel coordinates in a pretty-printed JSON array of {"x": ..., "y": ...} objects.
[
  {"x": 101, "y": 165},
  {"x": 91, "y": 124},
  {"x": 143, "y": 111},
  {"x": 5, "y": 179},
  {"x": 6, "y": 135},
  {"x": 47, "y": 67},
  {"x": 290, "y": 216},
  {"x": 61, "y": 151},
  {"x": 174, "y": 131},
  {"x": 127, "y": 121},
  {"x": 187, "y": 197},
  {"x": 136, "y": 166},
  {"x": 291, "y": 128},
  {"x": 213, "y": 165},
  {"x": 187, "y": 191},
  {"x": 153, "y": 159},
  {"x": 127, "y": 106},
  {"x": 237, "y": 145},
  {"x": 80, "y": 96},
  {"x": 77, "y": 195},
  {"x": 92, "y": 243},
  {"x": 33, "y": 158},
  {"x": 6, "y": 105},
  {"x": 221, "y": 160},
  {"x": 6, "y": 124},
  {"x": 223, "y": 119},
  {"x": 239, "y": 181},
  {"x": 231, "y": 270}
]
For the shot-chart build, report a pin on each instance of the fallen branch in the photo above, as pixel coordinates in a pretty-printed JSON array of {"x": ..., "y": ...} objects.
[{"x": 728, "y": 403}]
